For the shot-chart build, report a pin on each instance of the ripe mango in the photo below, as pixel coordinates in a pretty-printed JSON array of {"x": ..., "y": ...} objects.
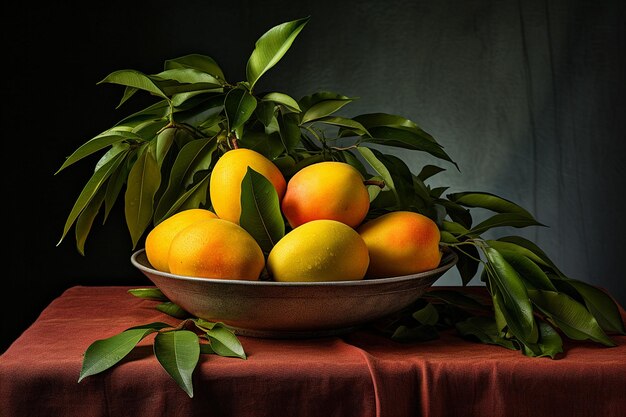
[
  {"x": 326, "y": 190},
  {"x": 225, "y": 182},
  {"x": 319, "y": 250},
  {"x": 401, "y": 243}
]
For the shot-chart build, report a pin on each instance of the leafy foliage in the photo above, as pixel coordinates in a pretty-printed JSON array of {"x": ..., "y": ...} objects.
[{"x": 163, "y": 156}]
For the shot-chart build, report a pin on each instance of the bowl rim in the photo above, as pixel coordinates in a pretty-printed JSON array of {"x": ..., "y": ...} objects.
[{"x": 448, "y": 260}]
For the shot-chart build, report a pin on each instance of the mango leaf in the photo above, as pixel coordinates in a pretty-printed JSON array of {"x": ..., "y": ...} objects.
[
  {"x": 265, "y": 111},
  {"x": 268, "y": 145},
  {"x": 98, "y": 143},
  {"x": 196, "y": 61},
  {"x": 391, "y": 120},
  {"x": 157, "y": 111},
  {"x": 194, "y": 197},
  {"x": 178, "y": 353},
  {"x": 148, "y": 294},
  {"x": 239, "y": 106},
  {"x": 103, "y": 354},
  {"x": 456, "y": 212},
  {"x": 380, "y": 169},
  {"x": 483, "y": 329},
  {"x": 271, "y": 47},
  {"x": 515, "y": 304},
  {"x": 224, "y": 342},
  {"x": 135, "y": 79},
  {"x": 116, "y": 182},
  {"x": 260, "y": 210},
  {"x": 488, "y": 201},
  {"x": 201, "y": 79},
  {"x": 86, "y": 218},
  {"x": 505, "y": 246},
  {"x": 289, "y": 131},
  {"x": 549, "y": 344},
  {"x": 401, "y": 138},
  {"x": 517, "y": 220},
  {"x": 193, "y": 157},
  {"x": 468, "y": 263},
  {"x": 421, "y": 333},
  {"x": 569, "y": 315},
  {"x": 353, "y": 125},
  {"x": 426, "y": 315},
  {"x": 429, "y": 171},
  {"x": 536, "y": 253},
  {"x": 144, "y": 180},
  {"x": 454, "y": 228},
  {"x": 322, "y": 104},
  {"x": 173, "y": 310},
  {"x": 535, "y": 277},
  {"x": 89, "y": 191},
  {"x": 283, "y": 99},
  {"x": 458, "y": 299},
  {"x": 598, "y": 302}
]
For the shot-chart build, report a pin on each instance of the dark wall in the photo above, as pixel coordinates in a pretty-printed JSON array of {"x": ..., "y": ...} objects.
[{"x": 528, "y": 97}]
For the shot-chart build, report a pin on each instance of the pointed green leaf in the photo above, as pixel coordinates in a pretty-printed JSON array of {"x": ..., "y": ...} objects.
[
  {"x": 483, "y": 329},
  {"x": 517, "y": 220},
  {"x": 239, "y": 106},
  {"x": 144, "y": 180},
  {"x": 265, "y": 111},
  {"x": 488, "y": 201},
  {"x": 116, "y": 183},
  {"x": 529, "y": 249},
  {"x": 196, "y": 196},
  {"x": 421, "y": 333},
  {"x": 428, "y": 171},
  {"x": 103, "y": 354},
  {"x": 86, "y": 218},
  {"x": 380, "y": 169},
  {"x": 224, "y": 342},
  {"x": 194, "y": 156},
  {"x": 96, "y": 144},
  {"x": 427, "y": 315},
  {"x": 178, "y": 353},
  {"x": 196, "y": 61},
  {"x": 173, "y": 310},
  {"x": 468, "y": 263},
  {"x": 164, "y": 141},
  {"x": 268, "y": 145},
  {"x": 570, "y": 316},
  {"x": 515, "y": 303},
  {"x": 89, "y": 191},
  {"x": 148, "y": 294},
  {"x": 289, "y": 131},
  {"x": 322, "y": 108},
  {"x": 402, "y": 138},
  {"x": 271, "y": 47},
  {"x": 260, "y": 210},
  {"x": 528, "y": 270},
  {"x": 504, "y": 246},
  {"x": 457, "y": 298},
  {"x": 391, "y": 120},
  {"x": 353, "y": 125},
  {"x": 284, "y": 99},
  {"x": 201, "y": 79},
  {"x": 600, "y": 304},
  {"x": 135, "y": 79},
  {"x": 549, "y": 344}
]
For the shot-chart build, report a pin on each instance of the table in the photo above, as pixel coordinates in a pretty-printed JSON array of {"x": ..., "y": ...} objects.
[{"x": 358, "y": 374}]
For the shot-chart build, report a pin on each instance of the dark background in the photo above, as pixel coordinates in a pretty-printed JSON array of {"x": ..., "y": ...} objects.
[{"x": 528, "y": 97}]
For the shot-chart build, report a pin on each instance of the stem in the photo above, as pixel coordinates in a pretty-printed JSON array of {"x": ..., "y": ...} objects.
[
  {"x": 381, "y": 184},
  {"x": 234, "y": 142}
]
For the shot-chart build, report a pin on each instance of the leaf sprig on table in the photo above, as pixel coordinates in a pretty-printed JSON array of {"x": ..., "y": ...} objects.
[
  {"x": 177, "y": 348},
  {"x": 162, "y": 157}
]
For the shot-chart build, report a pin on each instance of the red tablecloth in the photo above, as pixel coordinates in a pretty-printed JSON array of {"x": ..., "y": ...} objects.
[{"x": 360, "y": 374}]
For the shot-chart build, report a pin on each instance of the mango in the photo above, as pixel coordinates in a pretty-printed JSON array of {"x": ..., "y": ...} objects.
[
  {"x": 326, "y": 190},
  {"x": 401, "y": 243},
  {"x": 225, "y": 182},
  {"x": 215, "y": 248},
  {"x": 319, "y": 250}
]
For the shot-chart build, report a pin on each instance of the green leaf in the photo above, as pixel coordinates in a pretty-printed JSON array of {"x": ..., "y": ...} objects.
[
  {"x": 458, "y": 299},
  {"x": 239, "y": 106},
  {"x": 265, "y": 111},
  {"x": 103, "y": 354},
  {"x": 599, "y": 304},
  {"x": 515, "y": 303},
  {"x": 89, "y": 191},
  {"x": 504, "y": 246},
  {"x": 270, "y": 146},
  {"x": 271, "y": 47},
  {"x": 529, "y": 249},
  {"x": 429, "y": 171},
  {"x": 322, "y": 104},
  {"x": 549, "y": 344},
  {"x": 144, "y": 180},
  {"x": 96, "y": 144},
  {"x": 353, "y": 125},
  {"x": 289, "y": 131},
  {"x": 173, "y": 310},
  {"x": 488, "y": 201},
  {"x": 419, "y": 333},
  {"x": 193, "y": 157},
  {"x": 200, "y": 79},
  {"x": 178, "y": 353},
  {"x": 116, "y": 182},
  {"x": 427, "y": 315},
  {"x": 194, "y": 197},
  {"x": 283, "y": 99},
  {"x": 135, "y": 79},
  {"x": 528, "y": 270},
  {"x": 380, "y": 169},
  {"x": 468, "y": 263},
  {"x": 483, "y": 329},
  {"x": 196, "y": 61},
  {"x": 402, "y": 138},
  {"x": 260, "y": 210},
  {"x": 391, "y": 120},
  {"x": 86, "y": 218},
  {"x": 517, "y": 220},
  {"x": 224, "y": 342},
  {"x": 569, "y": 315},
  {"x": 148, "y": 294}
]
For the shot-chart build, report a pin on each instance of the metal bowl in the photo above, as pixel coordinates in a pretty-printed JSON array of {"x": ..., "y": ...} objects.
[{"x": 292, "y": 309}]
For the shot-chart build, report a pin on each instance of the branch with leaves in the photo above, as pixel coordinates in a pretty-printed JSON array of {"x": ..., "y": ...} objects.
[{"x": 160, "y": 160}]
